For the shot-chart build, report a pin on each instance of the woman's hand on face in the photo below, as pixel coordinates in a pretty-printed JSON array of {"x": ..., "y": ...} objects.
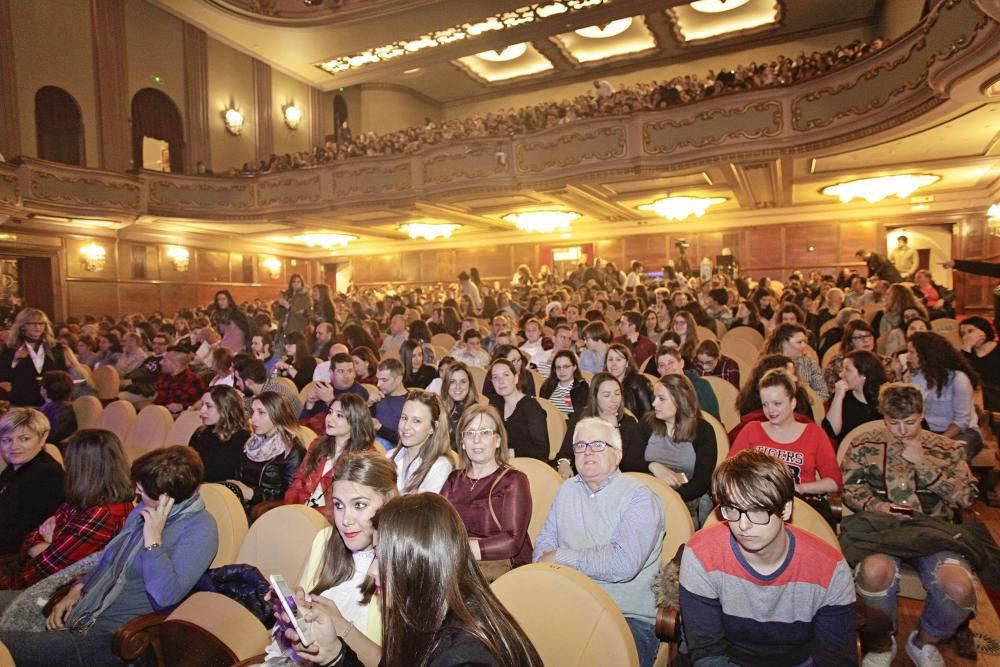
[
  {"x": 840, "y": 387},
  {"x": 154, "y": 519},
  {"x": 60, "y": 611}
]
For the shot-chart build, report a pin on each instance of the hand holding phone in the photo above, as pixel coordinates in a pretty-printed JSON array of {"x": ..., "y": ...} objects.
[
  {"x": 287, "y": 600},
  {"x": 901, "y": 510}
]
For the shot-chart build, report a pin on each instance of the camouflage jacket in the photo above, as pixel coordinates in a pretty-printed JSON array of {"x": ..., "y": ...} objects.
[{"x": 875, "y": 472}]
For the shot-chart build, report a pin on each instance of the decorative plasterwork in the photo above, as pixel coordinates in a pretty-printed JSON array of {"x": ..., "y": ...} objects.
[
  {"x": 204, "y": 194},
  {"x": 571, "y": 149},
  {"x": 632, "y": 42},
  {"x": 290, "y": 191},
  {"x": 531, "y": 62},
  {"x": 466, "y": 162},
  {"x": 9, "y": 189},
  {"x": 691, "y": 26},
  {"x": 713, "y": 127},
  {"x": 89, "y": 191},
  {"x": 372, "y": 179}
]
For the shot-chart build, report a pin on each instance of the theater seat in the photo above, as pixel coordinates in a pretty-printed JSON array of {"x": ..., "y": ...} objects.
[
  {"x": 544, "y": 483},
  {"x": 117, "y": 417},
  {"x": 230, "y": 519},
  {"x": 727, "y": 396},
  {"x": 279, "y": 541},
  {"x": 677, "y": 518},
  {"x": 722, "y": 443},
  {"x": 149, "y": 431},
  {"x": 87, "y": 409},
  {"x": 108, "y": 383},
  {"x": 555, "y": 422},
  {"x": 183, "y": 428},
  {"x": 571, "y": 621}
]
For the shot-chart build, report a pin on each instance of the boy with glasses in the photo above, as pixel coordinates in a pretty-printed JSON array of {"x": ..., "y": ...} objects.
[{"x": 755, "y": 590}]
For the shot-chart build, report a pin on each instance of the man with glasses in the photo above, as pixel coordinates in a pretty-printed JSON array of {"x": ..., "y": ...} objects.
[
  {"x": 755, "y": 590},
  {"x": 609, "y": 527}
]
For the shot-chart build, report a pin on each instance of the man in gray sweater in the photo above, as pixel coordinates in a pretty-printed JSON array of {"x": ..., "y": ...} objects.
[{"x": 610, "y": 528}]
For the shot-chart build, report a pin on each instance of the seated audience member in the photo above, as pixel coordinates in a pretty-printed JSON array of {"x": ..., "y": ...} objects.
[
  {"x": 222, "y": 367},
  {"x": 562, "y": 339},
  {"x": 681, "y": 450},
  {"x": 686, "y": 327},
  {"x": 748, "y": 402},
  {"x": 565, "y": 387},
  {"x": 151, "y": 368},
  {"x": 458, "y": 391},
  {"x": 937, "y": 299},
  {"x": 178, "y": 387},
  {"x": 348, "y": 430},
  {"x": 167, "y": 543},
  {"x": 132, "y": 355},
  {"x": 533, "y": 340},
  {"x": 948, "y": 384},
  {"x": 342, "y": 555},
  {"x": 523, "y": 417},
  {"x": 230, "y": 323},
  {"x": 635, "y": 387},
  {"x": 651, "y": 326},
  {"x": 342, "y": 380},
  {"x": 388, "y": 402},
  {"x": 979, "y": 346},
  {"x": 98, "y": 498},
  {"x": 716, "y": 306},
  {"x": 416, "y": 374},
  {"x": 857, "y": 335},
  {"x": 905, "y": 482},
  {"x": 641, "y": 347},
  {"x": 859, "y": 295},
  {"x": 470, "y": 352},
  {"x": 325, "y": 334},
  {"x": 756, "y": 590},
  {"x": 272, "y": 455},
  {"x": 835, "y": 334},
  {"x": 604, "y": 400},
  {"x": 493, "y": 499},
  {"x": 298, "y": 364},
  {"x": 109, "y": 348},
  {"x": 670, "y": 362},
  {"x": 609, "y": 527},
  {"x": 748, "y": 315},
  {"x": 709, "y": 360},
  {"x": 423, "y": 458},
  {"x": 251, "y": 377},
  {"x": 56, "y": 390},
  {"x": 855, "y": 396},
  {"x": 261, "y": 348},
  {"x": 436, "y": 607},
  {"x": 322, "y": 372},
  {"x": 365, "y": 365},
  {"x": 31, "y": 486},
  {"x": 525, "y": 380},
  {"x": 224, "y": 430},
  {"x": 596, "y": 339},
  {"x": 397, "y": 334},
  {"x": 792, "y": 340},
  {"x": 31, "y": 351},
  {"x": 804, "y": 447}
]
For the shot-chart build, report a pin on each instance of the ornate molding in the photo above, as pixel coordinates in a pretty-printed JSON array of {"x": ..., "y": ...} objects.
[
  {"x": 290, "y": 191},
  {"x": 10, "y": 189},
  {"x": 570, "y": 149},
  {"x": 90, "y": 191},
  {"x": 713, "y": 127},
  {"x": 204, "y": 194},
  {"x": 372, "y": 179},
  {"x": 466, "y": 162}
]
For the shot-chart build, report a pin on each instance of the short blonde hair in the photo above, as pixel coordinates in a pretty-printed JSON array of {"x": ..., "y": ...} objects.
[{"x": 28, "y": 418}]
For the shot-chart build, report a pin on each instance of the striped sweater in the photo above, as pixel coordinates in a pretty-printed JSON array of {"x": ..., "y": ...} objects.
[{"x": 801, "y": 614}]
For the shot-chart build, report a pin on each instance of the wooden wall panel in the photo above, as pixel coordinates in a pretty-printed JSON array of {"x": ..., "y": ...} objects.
[
  {"x": 212, "y": 267},
  {"x": 611, "y": 250},
  {"x": 409, "y": 267},
  {"x": 361, "y": 270},
  {"x": 139, "y": 297},
  {"x": 176, "y": 297},
  {"x": 973, "y": 241},
  {"x": 709, "y": 245},
  {"x": 87, "y": 298},
  {"x": 522, "y": 253},
  {"x": 766, "y": 249},
  {"x": 433, "y": 265},
  {"x": 386, "y": 267},
  {"x": 264, "y": 277},
  {"x": 821, "y": 238},
  {"x": 857, "y": 235},
  {"x": 650, "y": 249},
  {"x": 493, "y": 263}
]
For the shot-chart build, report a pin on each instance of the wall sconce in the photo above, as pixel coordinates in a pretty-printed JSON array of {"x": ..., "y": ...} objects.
[
  {"x": 94, "y": 257},
  {"x": 180, "y": 257},
  {"x": 292, "y": 115},
  {"x": 993, "y": 219},
  {"x": 273, "y": 267},
  {"x": 234, "y": 121}
]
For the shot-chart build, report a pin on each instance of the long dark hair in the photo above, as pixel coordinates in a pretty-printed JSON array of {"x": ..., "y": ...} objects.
[
  {"x": 871, "y": 367},
  {"x": 749, "y": 398},
  {"x": 591, "y": 409},
  {"x": 938, "y": 359},
  {"x": 688, "y": 410},
  {"x": 97, "y": 471},
  {"x": 301, "y": 343},
  {"x": 361, "y": 437},
  {"x": 232, "y": 411},
  {"x": 550, "y": 383},
  {"x": 428, "y": 573},
  {"x": 406, "y": 357},
  {"x": 370, "y": 469},
  {"x": 356, "y": 335}
]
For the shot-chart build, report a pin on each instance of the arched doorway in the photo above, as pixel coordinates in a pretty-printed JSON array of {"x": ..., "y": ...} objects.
[
  {"x": 339, "y": 115},
  {"x": 157, "y": 131},
  {"x": 58, "y": 126}
]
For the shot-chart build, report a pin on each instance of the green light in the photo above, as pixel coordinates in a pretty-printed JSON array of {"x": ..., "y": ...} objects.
[{"x": 157, "y": 79}]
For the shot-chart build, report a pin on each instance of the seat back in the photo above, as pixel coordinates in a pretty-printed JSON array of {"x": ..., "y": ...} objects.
[
  {"x": 722, "y": 443},
  {"x": 748, "y": 334},
  {"x": 149, "y": 431},
  {"x": 478, "y": 377},
  {"x": 704, "y": 333},
  {"x": 54, "y": 452},
  {"x": 544, "y": 483},
  {"x": 117, "y": 417},
  {"x": 6, "y": 659},
  {"x": 845, "y": 443},
  {"x": 727, "y": 395},
  {"x": 804, "y": 517},
  {"x": 279, "y": 541},
  {"x": 676, "y": 516},
  {"x": 446, "y": 341},
  {"x": 306, "y": 392},
  {"x": 230, "y": 518},
  {"x": 183, "y": 428},
  {"x": 571, "y": 621},
  {"x": 829, "y": 355},
  {"x": 211, "y": 629},
  {"x": 555, "y": 423},
  {"x": 108, "y": 383},
  {"x": 740, "y": 348},
  {"x": 87, "y": 409},
  {"x": 819, "y": 412},
  {"x": 292, "y": 390},
  {"x": 307, "y": 436}
]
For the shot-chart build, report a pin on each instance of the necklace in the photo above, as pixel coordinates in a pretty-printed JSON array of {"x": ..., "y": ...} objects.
[{"x": 475, "y": 480}]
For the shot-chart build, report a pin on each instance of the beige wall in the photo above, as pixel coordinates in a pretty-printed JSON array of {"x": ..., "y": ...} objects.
[
  {"x": 54, "y": 48},
  {"x": 285, "y": 90},
  {"x": 699, "y": 66},
  {"x": 230, "y": 81},
  {"x": 389, "y": 109},
  {"x": 898, "y": 16},
  {"x": 154, "y": 42}
]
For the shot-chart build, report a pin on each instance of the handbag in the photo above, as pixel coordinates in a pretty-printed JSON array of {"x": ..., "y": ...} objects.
[{"x": 494, "y": 569}]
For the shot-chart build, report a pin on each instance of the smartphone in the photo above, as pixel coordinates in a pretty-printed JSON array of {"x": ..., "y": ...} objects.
[
  {"x": 287, "y": 599},
  {"x": 901, "y": 509}
]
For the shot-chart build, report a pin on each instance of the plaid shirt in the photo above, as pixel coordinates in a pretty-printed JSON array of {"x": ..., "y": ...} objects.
[
  {"x": 78, "y": 533},
  {"x": 184, "y": 388},
  {"x": 727, "y": 369}
]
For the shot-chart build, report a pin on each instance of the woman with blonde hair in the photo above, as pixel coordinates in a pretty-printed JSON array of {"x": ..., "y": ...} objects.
[
  {"x": 493, "y": 499},
  {"x": 423, "y": 458},
  {"x": 31, "y": 350}
]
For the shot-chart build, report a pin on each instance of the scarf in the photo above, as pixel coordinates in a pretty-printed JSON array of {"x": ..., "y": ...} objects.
[
  {"x": 108, "y": 580},
  {"x": 261, "y": 448}
]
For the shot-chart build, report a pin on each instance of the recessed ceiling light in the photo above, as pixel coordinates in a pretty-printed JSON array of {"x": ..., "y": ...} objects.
[
  {"x": 605, "y": 30},
  {"x": 509, "y": 53},
  {"x": 716, "y": 6},
  {"x": 415, "y": 70}
]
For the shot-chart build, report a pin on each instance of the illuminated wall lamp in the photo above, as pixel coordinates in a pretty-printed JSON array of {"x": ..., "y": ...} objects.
[
  {"x": 273, "y": 267},
  {"x": 94, "y": 257},
  {"x": 180, "y": 257},
  {"x": 993, "y": 219},
  {"x": 293, "y": 116},
  {"x": 234, "y": 121}
]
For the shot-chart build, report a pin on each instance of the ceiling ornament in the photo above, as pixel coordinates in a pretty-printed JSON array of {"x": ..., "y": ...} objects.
[
  {"x": 543, "y": 222},
  {"x": 511, "y": 52},
  {"x": 428, "y": 231},
  {"x": 878, "y": 188},
  {"x": 502, "y": 21},
  {"x": 326, "y": 241},
  {"x": 680, "y": 208},
  {"x": 716, "y": 6},
  {"x": 605, "y": 30}
]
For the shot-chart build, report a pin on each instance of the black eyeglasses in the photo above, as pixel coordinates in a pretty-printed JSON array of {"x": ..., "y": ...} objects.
[
  {"x": 595, "y": 446},
  {"x": 759, "y": 517}
]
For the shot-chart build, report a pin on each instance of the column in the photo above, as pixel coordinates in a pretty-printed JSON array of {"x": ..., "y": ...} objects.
[
  {"x": 263, "y": 134},
  {"x": 114, "y": 134},
  {"x": 199, "y": 146},
  {"x": 10, "y": 133}
]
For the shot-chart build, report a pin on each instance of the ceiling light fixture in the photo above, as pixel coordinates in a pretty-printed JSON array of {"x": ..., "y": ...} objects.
[
  {"x": 428, "y": 231},
  {"x": 180, "y": 257},
  {"x": 511, "y": 52},
  {"x": 326, "y": 241},
  {"x": 679, "y": 208},
  {"x": 234, "y": 121},
  {"x": 878, "y": 188},
  {"x": 605, "y": 30},
  {"x": 293, "y": 116},
  {"x": 503, "y": 21},
  {"x": 716, "y": 6},
  {"x": 543, "y": 222}
]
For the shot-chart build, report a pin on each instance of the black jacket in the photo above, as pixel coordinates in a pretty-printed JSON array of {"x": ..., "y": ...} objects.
[
  {"x": 637, "y": 394},
  {"x": 270, "y": 479},
  {"x": 24, "y": 378},
  {"x": 577, "y": 395},
  {"x": 28, "y": 496}
]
